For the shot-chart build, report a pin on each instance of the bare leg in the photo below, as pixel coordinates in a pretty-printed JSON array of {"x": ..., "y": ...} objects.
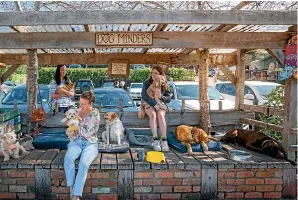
[
  {"x": 152, "y": 120},
  {"x": 162, "y": 123}
]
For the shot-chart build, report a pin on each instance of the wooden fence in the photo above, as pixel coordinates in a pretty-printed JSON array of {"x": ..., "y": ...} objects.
[{"x": 292, "y": 145}]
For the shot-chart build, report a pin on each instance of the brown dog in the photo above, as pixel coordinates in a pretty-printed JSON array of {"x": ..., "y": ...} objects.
[
  {"x": 188, "y": 135},
  {"x": 158, "y": 83},
  {"x": 256, "y": 141}
]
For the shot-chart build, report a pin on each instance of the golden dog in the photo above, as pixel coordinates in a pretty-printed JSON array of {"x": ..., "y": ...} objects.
[
  {"x": 157, "y": 84},
  {"x": 188, "y": 135}
]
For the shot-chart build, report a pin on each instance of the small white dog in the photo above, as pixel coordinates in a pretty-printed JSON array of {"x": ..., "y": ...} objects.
[
  {"x": 10, "y": 147},
  {"x": 114, "y": 129},
  {"x": 72, "y": 120}
]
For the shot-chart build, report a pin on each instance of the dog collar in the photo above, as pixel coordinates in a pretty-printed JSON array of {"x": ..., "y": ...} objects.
[{"x": 265, "y": 141}]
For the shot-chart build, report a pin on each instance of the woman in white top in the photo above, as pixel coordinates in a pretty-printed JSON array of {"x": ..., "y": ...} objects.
[{"x": 62, "y": 97}]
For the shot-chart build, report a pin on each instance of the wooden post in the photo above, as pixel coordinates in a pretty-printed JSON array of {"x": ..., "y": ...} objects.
[
  {"x": 203, "y": 90},
  {"x": 240, "y": 76},
  {"x": 290, "y": 116},
  {"x": 32, "y": 74}
]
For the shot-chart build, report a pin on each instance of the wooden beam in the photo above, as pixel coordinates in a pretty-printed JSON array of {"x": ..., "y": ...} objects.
[
  {"x": 32, "y": 75},
  {"x": 280, "y": 62},
  {"x": 290, "y": 116},
  {"x": 245, "y": 17},
  {"x": 203, "y": 88},
  {"x": 87, "y": 29},
  {"x": 9, "y": 72},
  {"x": 254, "y": 122},
  {"x": 228, "y": 73},
  {"x": 240, "y": 77},
  {"x": 101, "y": 58},
  {"x": 262, "y": 109},
  {"x": 160, "y": 40},
  {"x": 224, "y": 59},
  {"x": 187, "y": 51},
  {"x": 160, "y": 27}
]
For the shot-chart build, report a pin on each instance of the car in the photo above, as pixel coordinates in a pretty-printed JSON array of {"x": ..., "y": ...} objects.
[
  {"x": 18, "y": 96},
  {"x": 81, "y": 86},
  {"x": 135, "y": 91},
  {"x": 2, "y": 94},
  {"x": 189, "y": 91},
  {"x": 7, "y": 86},
  {"x": 137, "y": 66},
  {"x": 109, "y": 99},
  {"x": 253, "y": 90}
]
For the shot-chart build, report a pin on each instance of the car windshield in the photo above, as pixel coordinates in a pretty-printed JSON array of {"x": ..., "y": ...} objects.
[
  {"x": 81, "y": 83},
  {"x": 112, "y": 98},
  {"x": 19, "y": 96},
  {"x": 264, "y": 90},
  {"x": 108, "y": 84},
  {"x": 137, "y": 85},
  {"x": 191, "y": 92}
]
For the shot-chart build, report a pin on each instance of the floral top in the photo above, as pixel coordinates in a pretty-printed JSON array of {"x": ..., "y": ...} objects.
[
  {"x": 90, "y": 125},
  {"x": 63, "y": 101}
]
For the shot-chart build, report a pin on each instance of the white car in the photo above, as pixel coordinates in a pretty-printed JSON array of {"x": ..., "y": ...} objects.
[
  {"x": 135, "y": 91},
  {"x": 253, "y": 90},
  {"x": 189, "y": 91}
]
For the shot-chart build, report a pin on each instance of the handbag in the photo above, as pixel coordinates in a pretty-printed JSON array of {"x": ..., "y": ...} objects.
[{"x": 38, "y": 114}]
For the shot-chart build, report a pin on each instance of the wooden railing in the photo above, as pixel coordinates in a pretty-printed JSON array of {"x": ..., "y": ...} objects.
[{"x": 270, "y": 111}]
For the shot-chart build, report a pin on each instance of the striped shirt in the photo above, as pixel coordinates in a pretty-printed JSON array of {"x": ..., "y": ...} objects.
[{"x": 63, "y": 101}]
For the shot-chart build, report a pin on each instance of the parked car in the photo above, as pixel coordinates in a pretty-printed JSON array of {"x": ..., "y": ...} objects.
[
  {"x": 8, "y": 85},
  {"x": 189, "y": 91},
  {"x": 2, "y": 94},
  {"x": 137, "y": 66},
  {"x": 81, "y": 86},
  {"x": 18, "y": 96},
  {"x": 110, "y": 97},
  {"x": 253, "y": 90},
  {"x": 75, "y": 66},
  {"x": 135, "y": 91}
]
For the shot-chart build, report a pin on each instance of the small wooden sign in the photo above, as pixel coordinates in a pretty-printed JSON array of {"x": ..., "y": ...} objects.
[
  {"x": 123, "y": 39},
  {"x": 118, "y": 68},
  {"x": 164, "y": 66}
]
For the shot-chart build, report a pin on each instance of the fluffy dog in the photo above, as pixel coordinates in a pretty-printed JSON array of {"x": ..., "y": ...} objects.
[
  {"x": 67, "y": 87},
  {"x": 256, "y": 141},
  {"x": 114, "y": 129},
  {"x": 72, "y": 120},
  {"x": 156, "y": 85},
  {"x": 10, "y": 146},
  {"x": 188, "y": 135}
]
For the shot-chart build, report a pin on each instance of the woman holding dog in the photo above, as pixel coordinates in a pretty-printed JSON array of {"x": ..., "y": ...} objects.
[
  {"x": 85, "y": 146},
  {"x": 61, "y": 96},
  {"x": 154, "y": 111}
]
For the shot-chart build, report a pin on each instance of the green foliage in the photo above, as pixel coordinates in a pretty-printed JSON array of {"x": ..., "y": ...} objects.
[
  {"x": 97, "y": 74},
  {"x": 46, "y": 75},
  {"x": 275, "y": 100},
  {"x": 18, "y": 76},
  {"x": 140, "y": 75}
]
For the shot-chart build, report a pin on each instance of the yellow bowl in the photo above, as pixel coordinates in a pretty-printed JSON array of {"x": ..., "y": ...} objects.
[
  {"x": 72, "y": 128},
  {"x": 155, "y": 157}
]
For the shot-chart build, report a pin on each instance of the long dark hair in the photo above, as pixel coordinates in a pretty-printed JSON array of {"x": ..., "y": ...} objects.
[
  {"x": 57, "y": 75},
  {"x": 161, "y": 72}
]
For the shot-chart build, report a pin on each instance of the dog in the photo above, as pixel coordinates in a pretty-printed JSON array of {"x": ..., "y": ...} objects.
[
  {"x": 188, "y": 135},
  {"x": 10, "y": 147},
  {"x": 67, "y": 87},
  {"x": 157, "y": 84},
  {"x": 72, "y": 120},
  {"x": 114, "y": 132},
  {"x": 256, "y": 141}
]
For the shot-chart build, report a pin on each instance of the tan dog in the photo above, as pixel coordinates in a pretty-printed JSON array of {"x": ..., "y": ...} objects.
[
  {"x": 114, "y": 129},
  {"x": 188, "y": 135},
  {"x": 10, "y": 147},
  {"x": 156, "y": 85}
]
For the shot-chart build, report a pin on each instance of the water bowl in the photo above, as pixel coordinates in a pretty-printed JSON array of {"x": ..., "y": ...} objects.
[{"x": 240, "y": 156}]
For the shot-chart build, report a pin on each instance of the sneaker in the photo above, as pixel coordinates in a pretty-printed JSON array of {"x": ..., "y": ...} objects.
[
  {"x": 164, "y": 146},
  {"x": 156, "y": 145}
]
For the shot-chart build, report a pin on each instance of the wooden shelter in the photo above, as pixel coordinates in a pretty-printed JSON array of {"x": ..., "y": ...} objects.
[{"x": 148, "y": 37}]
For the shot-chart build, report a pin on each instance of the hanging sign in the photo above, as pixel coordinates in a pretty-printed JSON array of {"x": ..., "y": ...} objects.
[
  {"x": 290, "y": 68},
  {"x": 123, "y": 39},
  {"x": 118, "y": 68}
]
